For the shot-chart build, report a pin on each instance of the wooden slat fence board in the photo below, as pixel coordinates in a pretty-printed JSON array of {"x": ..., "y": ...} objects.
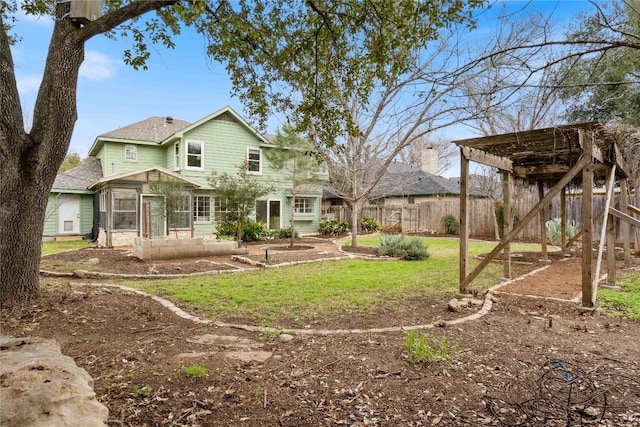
[{"x": 427, "y": 216}]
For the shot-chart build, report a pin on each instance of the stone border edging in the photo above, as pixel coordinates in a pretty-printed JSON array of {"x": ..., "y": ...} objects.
[{"x": 84, "y": 274}]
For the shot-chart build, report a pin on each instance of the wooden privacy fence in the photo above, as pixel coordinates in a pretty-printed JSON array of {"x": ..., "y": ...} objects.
[{"x": 428, "y": 216}]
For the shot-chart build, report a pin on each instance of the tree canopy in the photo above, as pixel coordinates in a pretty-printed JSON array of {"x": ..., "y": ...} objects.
[
  {"x": 380, "y": 37},
  {"x": 606, "y": 87}
]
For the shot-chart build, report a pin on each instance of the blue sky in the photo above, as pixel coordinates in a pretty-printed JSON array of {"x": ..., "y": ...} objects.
[{"x": 182, "y": 83}]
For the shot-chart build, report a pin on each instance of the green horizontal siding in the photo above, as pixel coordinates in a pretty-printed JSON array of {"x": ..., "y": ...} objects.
[
  {"x": 86, "y": 213},
  {"x": 51, "y": 219},
  {"x": 113, "y": 162}
]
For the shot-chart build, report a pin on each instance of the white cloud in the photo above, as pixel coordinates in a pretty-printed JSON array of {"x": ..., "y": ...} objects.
[
  {"x": 28, "y": 84},
  {"x": 98, "y": 66},
  {"x": 45, "y": 20}
]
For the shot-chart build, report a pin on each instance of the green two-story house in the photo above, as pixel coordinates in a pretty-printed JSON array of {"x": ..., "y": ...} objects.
[{"x": 111, "y": 199}]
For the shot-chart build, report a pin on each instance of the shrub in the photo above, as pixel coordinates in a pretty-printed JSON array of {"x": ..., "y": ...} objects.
[
  {"x": 283, "y": 233},
  {"x": 451, "y": 224},
  {"x": 554, "y": 230},
  {"x": 426, "y": 348},
  {"x": 403, "y": 247},
  {"x": 225, "y": 229},
  {"x": 333, "y": 227},
  {"x": 254, "y": 231},
  {"x": 370, "y": 225},
  {"x": 251, "y": 232}
]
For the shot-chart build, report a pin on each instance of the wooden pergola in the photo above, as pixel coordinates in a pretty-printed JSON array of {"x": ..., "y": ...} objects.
[{"x": 555, "y": 156}]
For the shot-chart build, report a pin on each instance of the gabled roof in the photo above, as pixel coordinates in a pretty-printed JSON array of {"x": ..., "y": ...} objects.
[
  {"x": 124, "y": 176},
  {"x": 78, "y": 178},
  {"x": 153, "y": 129},
  {"x": 226, "y": 112},
  {"x": 150, "y": 131},
  {"x": 162, "y": 130},
  {"x": 414, "y": 182}
]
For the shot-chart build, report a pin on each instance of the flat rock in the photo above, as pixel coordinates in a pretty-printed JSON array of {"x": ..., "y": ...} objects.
[
  {"x": 285, "y": 337},
  {"x": 224, "y": 340},
  {"x": 249, "y": 356},
  {"x": 42, "y": 387}
]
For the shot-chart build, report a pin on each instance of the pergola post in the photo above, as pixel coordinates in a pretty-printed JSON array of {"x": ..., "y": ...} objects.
[
  {"x": 543, "y": 222},
  {"x": 626, "y": 227},
  {"x": 563, "y": 220},
  {"x": 507, "y": 220},
  {"x": 611, "y": 233},
  {"x": 464, "y": 221},
  {"x": 587, "y": 219}
]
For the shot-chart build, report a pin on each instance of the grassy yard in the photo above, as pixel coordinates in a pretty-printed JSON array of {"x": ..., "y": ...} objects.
[
  {"x": 625, "y": 302},
  {"x": 329, "y": 287},
  {"x": 49, "y": 248}
]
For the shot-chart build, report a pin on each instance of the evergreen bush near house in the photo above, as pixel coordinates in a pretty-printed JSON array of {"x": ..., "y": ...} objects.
[
  {"x": 403, "y": 247},
  {"x": 333, "y": 227},
  {"x": 225, "y": 229},
  {"x": 283, "y": 233},
  {"x": 370, "y": 225},
  {"x": 252, "y": 231},
  {"x": 451, "y": 224}
]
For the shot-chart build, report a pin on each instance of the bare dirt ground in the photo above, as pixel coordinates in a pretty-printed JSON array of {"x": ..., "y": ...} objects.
[{"x": 530, "y": 361}]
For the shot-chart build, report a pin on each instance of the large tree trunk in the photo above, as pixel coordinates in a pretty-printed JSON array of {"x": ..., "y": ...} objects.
[{"x": 30, "y": 161}]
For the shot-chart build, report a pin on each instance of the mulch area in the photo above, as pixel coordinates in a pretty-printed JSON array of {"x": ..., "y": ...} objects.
[{"x": 528, "y": 361}]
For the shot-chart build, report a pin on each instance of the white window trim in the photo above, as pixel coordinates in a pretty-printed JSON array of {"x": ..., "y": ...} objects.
[
  {"x": 176, "y": 156},
  {"x": 135, "y": 151},
  {"x": 186, "y": 155},
  {"x": 309, "y": 201},
  {"x": 195, "y": 219},
  {"x": 259, "y": 172},
  {"x": 137, "y": 210}
]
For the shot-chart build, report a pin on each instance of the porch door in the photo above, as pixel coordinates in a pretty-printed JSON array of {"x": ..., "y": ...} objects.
[
  {"x": 69, "y": 214},
  {"x": 268, "y": 211},
  {"x": 153, "y": 219}
]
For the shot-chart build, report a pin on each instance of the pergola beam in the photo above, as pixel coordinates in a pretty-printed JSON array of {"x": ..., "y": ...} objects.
[
  {"x": 485, "y": 158},
  {"x": 624, "y": 217}
]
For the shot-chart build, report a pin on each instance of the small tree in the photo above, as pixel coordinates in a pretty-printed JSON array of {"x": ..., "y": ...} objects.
[
  {"x": 70, "y": 161},
  {"x": 174, "y": 200},
  {"x": 239, "y": 194},
  {"x": 295, "y": 155}
]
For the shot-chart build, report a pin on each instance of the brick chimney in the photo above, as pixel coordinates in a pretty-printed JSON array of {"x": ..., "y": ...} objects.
[{"x": 429, "y": 160}]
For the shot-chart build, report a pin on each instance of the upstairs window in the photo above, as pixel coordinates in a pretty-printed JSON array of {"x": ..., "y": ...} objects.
[
  {"x": 131, "y": 153},
  {"x": 195, "y": 155},
  {"x": 254, "y": 160},
  {"x": 303, "y": 206},
  {"x": 176, "y": 156}
]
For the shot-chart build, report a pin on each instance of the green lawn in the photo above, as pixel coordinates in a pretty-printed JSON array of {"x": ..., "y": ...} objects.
[
  {"x": 326, "y": 288},
  {"x": 625, "y": 302},
  {"x": 49, "y": 248}
]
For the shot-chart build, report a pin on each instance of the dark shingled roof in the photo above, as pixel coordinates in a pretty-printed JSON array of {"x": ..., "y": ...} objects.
[
  {"x": 80, "y": 177},
  {"x": 153, "y": 129},
  {"x": 414, "y": 182}
]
